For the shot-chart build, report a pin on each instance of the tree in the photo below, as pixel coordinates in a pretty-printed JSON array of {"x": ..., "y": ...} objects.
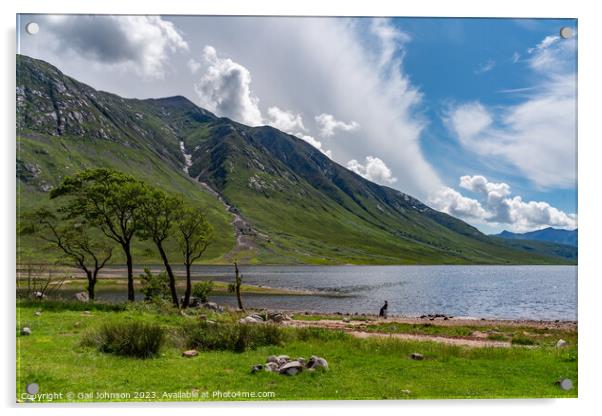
[
  {"x": 73, "y": 239},
  {"x": 157, "y": 215},
  {"x": 195, "y": 235},
  {"x": 108, "y": 200},
  {"x": 236, "y": 286}
]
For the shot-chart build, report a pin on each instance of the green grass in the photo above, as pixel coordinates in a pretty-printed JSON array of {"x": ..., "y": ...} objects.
[
  {"x": 57, "y": 157},
  {"x": 359, "y": 368}
]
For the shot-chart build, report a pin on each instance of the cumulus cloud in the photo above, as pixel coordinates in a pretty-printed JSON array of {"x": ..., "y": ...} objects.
[
  {"x": 485, "y": 67},
  {"x": 374, "y": 170},
  {"x": 328, "y": 125},
  {"x": 225, "y": 88},
  {"x": 496, "y": 206},
  {"x": 537, "y": 135},
  {"x": 142, "y": 44},
  {"x": 315, "y": 143},
  {"x": 286, "y": 121},
  {"x": 349, "y": 68}
]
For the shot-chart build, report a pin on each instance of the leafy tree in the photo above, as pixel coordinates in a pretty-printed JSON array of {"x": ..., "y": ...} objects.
[
  {"x": 108, "y": 200},
  {"x": 154, "y": 286},
  {"x": 202, "y": 290},
  {"x": 73, "y": 239},
  {"x": 157, "y": 214},
  {"x": 195, "y": 235}
]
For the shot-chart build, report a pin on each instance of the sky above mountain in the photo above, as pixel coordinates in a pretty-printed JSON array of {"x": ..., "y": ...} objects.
[{"x": 476, "y": 117}]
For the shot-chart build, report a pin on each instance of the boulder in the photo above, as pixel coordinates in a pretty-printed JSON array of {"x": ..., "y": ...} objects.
[
  {"x": 301, "y": 360},
  {"x": 212, "y": 306},
  {"x": 272, "y": 359},
  {"x": 258, "y": 318},
  {"x": 276, "y": 316},
  {"x": 38, "y": 295},
  {"x": 256, "y": 368},
  {"x": 25, "y": 330},
  {"x": 561, "y": 343},
  {"x": 317, "y": 362},
  {"x": 271, "y": 367},
  {"x": 250, "y": 320},
  {"x": 283, "y": 359},
  {"x": 82, "y": 297},
  {"x": 416, "y": 356},
  {"x": 190, "y": 353},
  {"x": 37, "y": 313},
  {"x": 291, "y": 368}
]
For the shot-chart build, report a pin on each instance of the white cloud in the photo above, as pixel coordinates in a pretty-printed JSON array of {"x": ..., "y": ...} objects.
[
  {"x": 538, "y": 135},
  {"x": 193, "y": 66},
  {"x": 454, "y": 203},
  {"x": 495, "y": 206},
  {"x": 374, "y": 170},
  {"x": 515, "y": 57},
  {"x": 328, "y": 125},
  {"x": 485, "y": 67},
  {"x": 140, "y": 44},
  {"x": 315, "y": 143},
  {"x": 341, "y": 67},
  {"x": 286, "y": 121},
  {"x": 225, "y": 88}
]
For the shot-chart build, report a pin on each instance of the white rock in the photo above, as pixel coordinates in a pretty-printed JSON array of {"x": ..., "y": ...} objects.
[{"x": 561, "y": 343}]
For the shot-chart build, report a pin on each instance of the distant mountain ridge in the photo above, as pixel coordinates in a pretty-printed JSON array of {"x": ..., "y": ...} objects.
[
  {"x": 552, "y": 235},
  {"x": 282, "y": 199}
]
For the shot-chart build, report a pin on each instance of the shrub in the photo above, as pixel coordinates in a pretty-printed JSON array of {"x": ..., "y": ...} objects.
[
  {"x": 521, "y": 340},
  {"x": 132, "y": 339},
  {"x": 202, "y": 290},
  {"x": 154, "y": 286},
  {"x": 232, "y": 337}
]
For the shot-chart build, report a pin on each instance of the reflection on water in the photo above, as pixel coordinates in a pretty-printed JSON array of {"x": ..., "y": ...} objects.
[{"x": 512, "y": 292}]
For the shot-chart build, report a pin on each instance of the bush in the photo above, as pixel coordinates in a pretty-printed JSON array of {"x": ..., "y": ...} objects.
[
  {"x": 154, "y": 286},
  {"x": 132, "y": 339},
  {"x": 232, "y": 337},
  {"x": 521, "y": 340},
  {"x": 202, "y": 290}
]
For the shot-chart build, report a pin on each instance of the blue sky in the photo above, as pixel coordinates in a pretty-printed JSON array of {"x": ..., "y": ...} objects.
[
  {"x": 473, "y": 116},
  {"x": 444, "y": 61}
]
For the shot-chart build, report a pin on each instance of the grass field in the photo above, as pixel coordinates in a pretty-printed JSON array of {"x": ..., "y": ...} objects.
[{"x": 53, "y": 357}]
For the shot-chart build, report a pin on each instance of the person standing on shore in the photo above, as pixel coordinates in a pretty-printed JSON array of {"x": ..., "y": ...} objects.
[{"x": 383, "y": 311}]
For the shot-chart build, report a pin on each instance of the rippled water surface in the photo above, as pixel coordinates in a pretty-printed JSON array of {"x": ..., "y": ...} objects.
[{"x": 529, "y": 292}]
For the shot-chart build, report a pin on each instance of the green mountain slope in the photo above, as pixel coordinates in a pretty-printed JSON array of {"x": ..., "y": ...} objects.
[{"x": 289, "y": 202}]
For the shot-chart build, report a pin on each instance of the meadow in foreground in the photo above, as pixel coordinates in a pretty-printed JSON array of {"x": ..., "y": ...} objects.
[{"x": 59, "y": 356}]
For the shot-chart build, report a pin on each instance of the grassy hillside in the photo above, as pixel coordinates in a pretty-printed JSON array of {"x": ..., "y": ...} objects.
[{"x": 292, "y": 204}]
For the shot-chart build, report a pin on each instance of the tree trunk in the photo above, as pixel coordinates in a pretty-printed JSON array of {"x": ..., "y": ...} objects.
[
  {"x": 91, "y": 284},
  {"x": 172, "y": 278},
  {"x": 238, "y": 278},
  {"x": 188, "y": 287},
  {"x": 128, "y": 258}
]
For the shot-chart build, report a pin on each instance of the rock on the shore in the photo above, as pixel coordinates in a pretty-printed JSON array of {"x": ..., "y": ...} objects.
[
  {"x": 82, "y": 297},
  {"x": 416, "y": 356},
  {"x": 561, "y": 343},
  {"x": 190, "y": 353},
  {"x": 212, "y": 306},
  {"x": 251, "y": 319},
  {"x": 25, "y": 330}
]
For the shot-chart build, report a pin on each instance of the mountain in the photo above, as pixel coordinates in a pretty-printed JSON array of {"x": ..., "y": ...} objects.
[
  {"x": 272, "y": 197},
  {"x": 552, "y": 235}
]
